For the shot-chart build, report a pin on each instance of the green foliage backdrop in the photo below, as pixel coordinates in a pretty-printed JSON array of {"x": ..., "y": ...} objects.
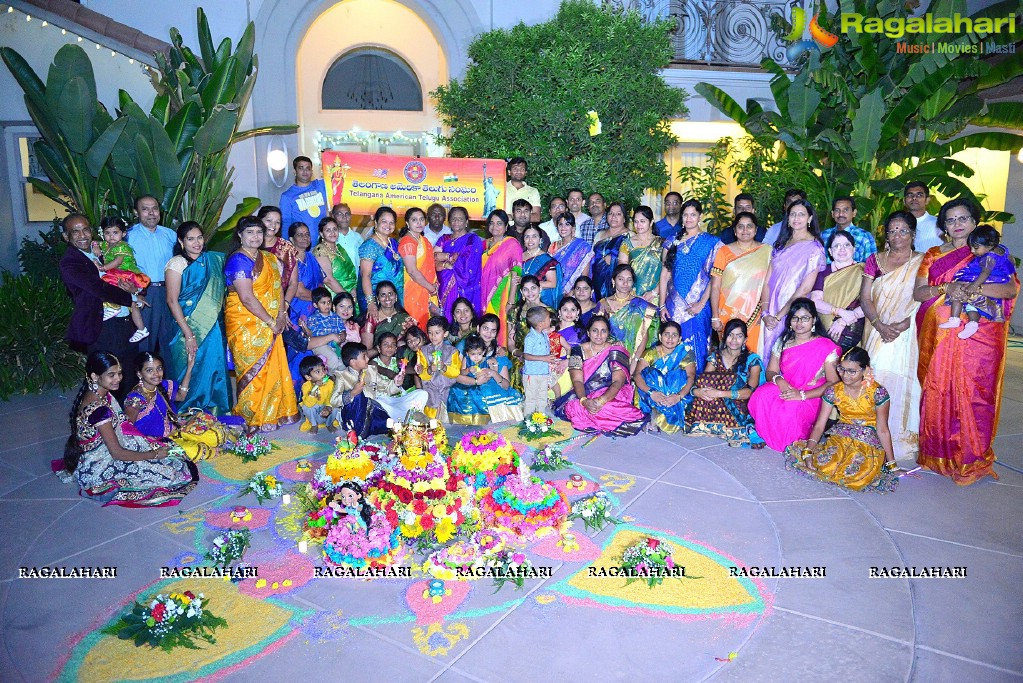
[{"x": 527, "y": 92}]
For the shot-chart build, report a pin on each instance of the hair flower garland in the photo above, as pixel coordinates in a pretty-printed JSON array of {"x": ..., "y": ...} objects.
[{"x": 168, "y": 621}]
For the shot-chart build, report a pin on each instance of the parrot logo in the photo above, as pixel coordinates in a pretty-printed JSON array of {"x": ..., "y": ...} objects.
[{"x": 821, "y": 38}]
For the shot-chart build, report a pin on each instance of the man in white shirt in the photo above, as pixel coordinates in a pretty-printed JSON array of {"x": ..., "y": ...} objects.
[
  {"x": 558, "y": 208},
  {"x": 154, "y": 246},
  {"x": 435, "y": 227},
  {"x": 576, "y": 201},
  {"x": 348, "y": 239},
  {"x": 518, "y": 189},
  {"x": 915, "y": 197}
]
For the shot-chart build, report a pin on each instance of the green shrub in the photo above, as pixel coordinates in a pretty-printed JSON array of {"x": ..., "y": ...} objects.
[
  {"x": 40, "y": 258},
  {"x": 34, "y": 315}
]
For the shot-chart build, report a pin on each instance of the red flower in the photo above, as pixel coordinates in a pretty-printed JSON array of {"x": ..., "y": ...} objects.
[
  {"x": 418, "y": 506},
  {"x": 159, "y": 612},
  {"x": 452, "y": 484},
  {"x": 427, "y": 522},
  {"x": 404, "y": 495},
  {"x": 652, "y": 543},
  {"x": 392, "y": 518},
  {"x": 190, "y": 595}
]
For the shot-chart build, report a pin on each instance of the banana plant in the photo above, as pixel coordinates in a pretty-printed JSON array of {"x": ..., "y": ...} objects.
[{"x": 865, "y": 118}]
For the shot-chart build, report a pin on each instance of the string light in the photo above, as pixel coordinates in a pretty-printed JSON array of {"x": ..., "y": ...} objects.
[{"x": 78, "y": 38}]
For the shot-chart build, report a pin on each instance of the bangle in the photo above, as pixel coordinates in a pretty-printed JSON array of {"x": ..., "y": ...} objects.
[
  {"x": 774, "y": 380},
  {"x": 184, "y": 387},
  {"x": 190, "y": 337},
  {"x": 942, "y": 287},
  {"x": 735, "y": 394},
  {"x": 802, "y": 395}
]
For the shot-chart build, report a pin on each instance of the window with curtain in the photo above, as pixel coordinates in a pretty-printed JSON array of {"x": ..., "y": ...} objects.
[{"x": 371, "y": 79}]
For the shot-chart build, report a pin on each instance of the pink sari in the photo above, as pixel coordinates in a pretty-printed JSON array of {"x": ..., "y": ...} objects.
[
  {"x": 781, "y": 422},
  {"x": 619, "y": 416},
  {"x": 498, "y": 265},
  {"x": 961, "y": 380}
]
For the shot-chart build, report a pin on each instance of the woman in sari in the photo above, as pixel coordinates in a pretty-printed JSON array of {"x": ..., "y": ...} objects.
[
  {"x": 482, "y": 393},
  {"x": 518, "y": 326},
  {"x": 463, "y": 323},
  {"x": 386, "y": 316},
  {"x": 152, "y": 407},
  {"x": 663, "y": 376},
  {"x": 572, "y": 330},
  {"x": 582, "y": 291},
  {"x": 254, "y": 319},
  {"x": 737, "y": 280},
  {"x": 270, "y": 217},
  {"x": 643, "y": 251},
  {"x": 601, "y": 399},
  {"x": 837, "y": 292},
  {"x": 684, "y": 289},
  {"x": 307, "y": 272},
  {"x": 856, "y": 451},
  {"x": 632, "y": 318},
  {"x": 886, "y": 295},
  {"x": 502, "y": 270},
  {"x": 107, "y": 457},
  {"x": 801, "y": 369},
  {"x": 537, "y": 262},
  {"x": 339, "y": 273},
  {"x": 573, "y": 253},
  {"x": 420, "y": 274},
  {"x": 797, "y": 258},
  {"x": 607, "y": 249},
  {"x": 961, "y": 379},
  {"x": 379, "y": 260},
  {"x": 459, "y": 263},
  {"x": 721, "y": 396},
  {"x": 195, "y": 295}
]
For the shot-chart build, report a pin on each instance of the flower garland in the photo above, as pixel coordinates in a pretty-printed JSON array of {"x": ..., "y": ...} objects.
[
  {"x": 168, "y": 621},
  {"x": 229, "y": 547},
  {"x": 250, "y": 448},
  {"x": 651, "y": 561},
  {"x": 550, "y": 459},
  {"x": 594, "y": 511},
  {"x": 536, "y": 426},
  {"x": 265, "y": 486}
]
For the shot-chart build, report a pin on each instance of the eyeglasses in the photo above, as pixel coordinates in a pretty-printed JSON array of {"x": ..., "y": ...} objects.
[
  {"x": 802, "y": 319},
  {"x": 847, "y": 371},
  {"x": 964, "y": 220},
  {"x": 899, "y": 231},
  {"x": 915, "y": 195}
]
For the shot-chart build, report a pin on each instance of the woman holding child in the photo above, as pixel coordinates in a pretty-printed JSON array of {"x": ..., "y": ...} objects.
[
  {"x": 482, "y": 393},
  {"x": 959, "y": 377}
]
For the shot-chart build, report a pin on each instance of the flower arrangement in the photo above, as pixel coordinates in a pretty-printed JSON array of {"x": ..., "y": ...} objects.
[
  {"x": 536, "y": 426},
  {"x": 594, "y": 511},
  {"x": 351, "y": 461},
  {"x": 350, "y": 544},
  {"x": 427, "y": 505},
  {"x": 265, "y": 486},
  {"x": 550, "y": 459},
  {"x": 417, "y": 441},
  {"x": 650, "y": 560},
  {"x": 525, "y": 505},
  {"x": 484, "y": 453},
  {"x": 509, "y": 566},
  {"x": 461, "y": 559},
  {"x": 168, "y": 621},
  {"x": 229, "y": 546},
  {"x": 250, "y": 448}
]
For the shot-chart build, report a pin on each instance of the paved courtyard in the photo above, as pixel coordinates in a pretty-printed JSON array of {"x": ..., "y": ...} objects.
[{"x": 718, "y": 506}]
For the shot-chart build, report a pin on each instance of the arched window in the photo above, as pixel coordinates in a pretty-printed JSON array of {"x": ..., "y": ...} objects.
[{"x": 371, "y": 78}]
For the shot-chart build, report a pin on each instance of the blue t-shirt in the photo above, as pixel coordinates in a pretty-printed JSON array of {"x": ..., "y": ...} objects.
[
  {"x": 536, "y": 344},
  {"x": 667, "y": 230},
  {"x": 306, "y": 205}
]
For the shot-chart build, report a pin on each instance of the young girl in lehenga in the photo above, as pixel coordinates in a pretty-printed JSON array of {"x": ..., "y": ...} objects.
[
  {"x": 856, "y": 452},
  {"x": 151, "y": 408}
]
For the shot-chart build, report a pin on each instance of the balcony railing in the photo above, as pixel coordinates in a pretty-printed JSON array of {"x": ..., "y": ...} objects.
[{"x": 719, "y": 32}]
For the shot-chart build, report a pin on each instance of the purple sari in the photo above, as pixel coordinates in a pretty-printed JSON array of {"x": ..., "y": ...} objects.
[
  {"x": 575, "y": 258},
  {"x": 463, "y": 278},
  {"x": 789, "y": 267}
]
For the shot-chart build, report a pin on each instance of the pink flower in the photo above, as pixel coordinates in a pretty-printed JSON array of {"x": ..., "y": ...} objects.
[
  {"x": 670, "y": 563},
  {"x": 518, "y": 558},
  {"x": 652, "y": 543}
]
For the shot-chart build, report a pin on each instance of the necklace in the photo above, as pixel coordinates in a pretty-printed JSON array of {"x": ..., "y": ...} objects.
[
  {"x": 615, "y": 297},
  {"x": 686, "y": 243}
]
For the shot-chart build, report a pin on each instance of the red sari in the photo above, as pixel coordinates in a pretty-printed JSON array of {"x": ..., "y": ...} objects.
[{"x": 961, "y": 381}]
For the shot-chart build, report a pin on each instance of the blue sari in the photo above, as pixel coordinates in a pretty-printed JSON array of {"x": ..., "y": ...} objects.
[
  {"x": 311, "y": 276},
  {"x": 726, "y": 418},
  {"x": 668, "y": 375},
  {"x": 203, "y": 289},
  {"x": 490, "y": 402},
  {"x": 539, "y": 266},
  {"x": 690, "y": 279},
  {"x": 610, "y": 248},
  {"x": 387, "y": 267},
  {"x": 574, "y": 259}
]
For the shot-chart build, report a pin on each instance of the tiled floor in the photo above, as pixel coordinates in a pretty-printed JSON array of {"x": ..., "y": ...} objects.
[{"x": 742, "y": 504}]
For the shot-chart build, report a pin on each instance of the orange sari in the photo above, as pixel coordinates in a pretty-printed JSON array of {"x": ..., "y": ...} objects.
[
  {"x": 742, "y": 281},
  {"x": 266, "y": 397},
  {"x": 416, "y": 300},
  {"x": 961, "y": 380}
]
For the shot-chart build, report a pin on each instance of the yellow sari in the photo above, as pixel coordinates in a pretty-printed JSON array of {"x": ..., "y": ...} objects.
[
  {"x": 742, "y": 281},
  {"x": 266, "y": 398}
]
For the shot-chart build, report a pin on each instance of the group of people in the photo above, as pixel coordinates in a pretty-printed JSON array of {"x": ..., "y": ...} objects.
[{"x": 847, "y": 359}]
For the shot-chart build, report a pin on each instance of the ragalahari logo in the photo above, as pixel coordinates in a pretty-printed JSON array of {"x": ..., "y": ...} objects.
[{"x": 821, "y": 37}]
